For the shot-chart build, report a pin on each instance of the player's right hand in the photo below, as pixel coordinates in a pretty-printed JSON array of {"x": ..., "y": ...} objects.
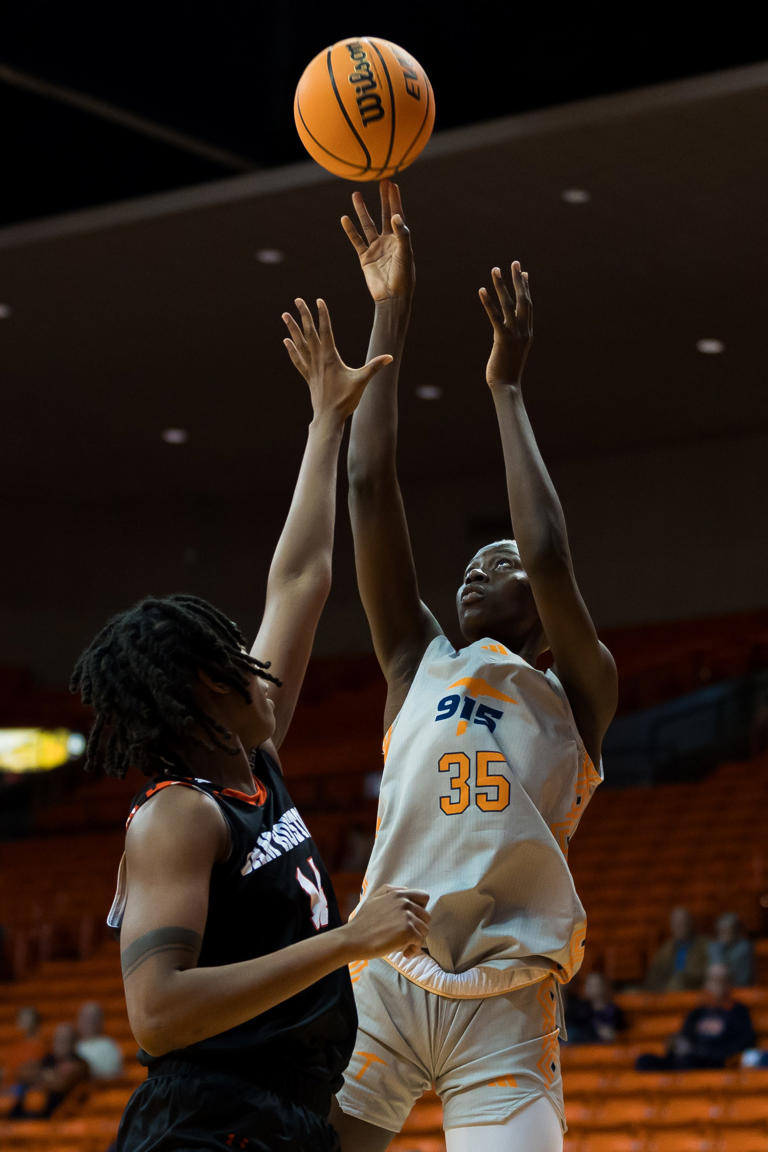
[
  {"x": 390, "y": 920},
  {"x": 386, "y": 256}
]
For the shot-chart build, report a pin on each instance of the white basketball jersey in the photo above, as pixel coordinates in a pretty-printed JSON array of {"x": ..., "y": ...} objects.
[{"x": 485, "y": 780}]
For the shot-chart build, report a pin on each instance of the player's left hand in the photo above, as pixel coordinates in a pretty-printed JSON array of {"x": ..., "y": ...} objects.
[
  {"x": 512, "y": 322},
  {"x": 334, "y": 387},
  {"x": 386, "y": 256}
]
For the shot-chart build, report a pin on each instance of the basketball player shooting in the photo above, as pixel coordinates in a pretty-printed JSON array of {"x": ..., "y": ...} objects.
[{"x": 489, "y": 764}]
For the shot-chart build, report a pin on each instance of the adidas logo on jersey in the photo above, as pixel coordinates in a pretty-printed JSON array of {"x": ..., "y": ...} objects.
[{"x": 289, "y": 831}]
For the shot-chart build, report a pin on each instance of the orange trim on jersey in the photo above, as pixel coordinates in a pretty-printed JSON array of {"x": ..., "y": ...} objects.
[
  {"x": 356, "y": 968},
  {"x": 387, "y": 741},
  {"x": 587, "y": 780},
  {"x": 476, "y": 686},
  {"x": 549, "y": 1061},
  {"x": 258, "y": 797},
  {"x": 499, "y": 648}
]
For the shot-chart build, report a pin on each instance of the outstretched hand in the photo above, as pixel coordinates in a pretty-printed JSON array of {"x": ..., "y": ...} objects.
[
  {"x": 512, "y": 322},
  {"x": 386, "y": 256},
  {"x": 334, "y": 387}
]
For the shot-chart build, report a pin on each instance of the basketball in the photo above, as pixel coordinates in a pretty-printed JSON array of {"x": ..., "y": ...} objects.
[{"x": 364, "y": 108}]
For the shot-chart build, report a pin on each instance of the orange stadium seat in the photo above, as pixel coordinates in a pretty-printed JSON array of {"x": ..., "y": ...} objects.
[
  {"x": 621, "y": 1111},
  {"x": 748, "y": 1109},
  {"x": 585, "y": 1082},
  {"x": 742, "y": 1140},
  {"x": 611, "y": 1142},
  {"x": 677, "y": 1141},
  {"x": 689, "y": 1111},
  {"x": 655, "y": 1026},
  {"x": 579, "y": 1113}
]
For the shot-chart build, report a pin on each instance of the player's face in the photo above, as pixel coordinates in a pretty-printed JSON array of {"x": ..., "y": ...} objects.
[
  {"x": 258, "y": 718},
  {"x": 494, "y": 598}
]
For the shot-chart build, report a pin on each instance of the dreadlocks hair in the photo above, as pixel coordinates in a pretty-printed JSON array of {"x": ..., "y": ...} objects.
[{"x": 138, "y": 674}]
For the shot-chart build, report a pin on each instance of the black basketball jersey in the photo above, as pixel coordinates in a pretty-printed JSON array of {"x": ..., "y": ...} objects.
[{"x": 272, "y": 891}]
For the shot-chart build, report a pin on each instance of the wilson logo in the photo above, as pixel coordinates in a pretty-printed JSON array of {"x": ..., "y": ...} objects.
[
  {"x": 364, "y": 82},
  {"x": 410, "y": 77}
]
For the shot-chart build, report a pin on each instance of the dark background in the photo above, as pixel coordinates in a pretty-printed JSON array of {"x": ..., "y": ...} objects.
[
  {"x": 224, "y": 75},
  {"x": 125, "y": 316}
]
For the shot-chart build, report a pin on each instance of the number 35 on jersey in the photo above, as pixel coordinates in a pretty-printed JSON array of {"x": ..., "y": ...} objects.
[{"x": 479, "y": 779}]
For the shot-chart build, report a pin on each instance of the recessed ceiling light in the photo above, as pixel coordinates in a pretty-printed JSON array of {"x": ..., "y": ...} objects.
[
  {"x": 710, "y": 347},
  {"x": 270, "y": 256},
  {"x": 174, "y": 435},
  {"x": 429, "y": 392},
  {"x": 575, "y": 196},
  {"x": 5, "y": 311}
]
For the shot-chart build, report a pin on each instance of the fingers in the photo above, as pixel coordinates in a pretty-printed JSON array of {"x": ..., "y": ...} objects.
[
  {"x": 503, "y": 294},
  {"x": 396, "y": 201},
  {"x": 307, "y": 323},
  {"x": 353, "y": 235},
  {"x": 385, "y": 192},
  {"x": 421, "y": 915},
  {"x": 522, "y": 294},
  {"x": 366, "y": 220},
  {"x": 491, "y": 310},
  {"x": 417, "y": 895},
  {"x": 505, "y": 309},
  {"x": 369, "y": 370},
  {"x": 297, "y": 359},
  {"x": 324, "y": 322},
  {"x": 297, "y": 336}
]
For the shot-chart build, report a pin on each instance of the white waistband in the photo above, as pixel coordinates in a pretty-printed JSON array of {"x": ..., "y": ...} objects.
[{"x": 476, "y": 983}]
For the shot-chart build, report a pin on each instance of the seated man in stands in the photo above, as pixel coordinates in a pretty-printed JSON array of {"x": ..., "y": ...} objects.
[
  {"x": 100, "y": 1052},
  {"x": 712, "y": 1034},
  {"x": 681, "y": 961},
  {"x": 60, "y": 1071},
  {"x": 594, "y": 1017},
  {"x": 732, "y": 947}
]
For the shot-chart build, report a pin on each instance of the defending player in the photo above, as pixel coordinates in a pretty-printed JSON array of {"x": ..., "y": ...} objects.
[
  {"x": 489, "y": 764},
  {"x": 234, "y": 960}
]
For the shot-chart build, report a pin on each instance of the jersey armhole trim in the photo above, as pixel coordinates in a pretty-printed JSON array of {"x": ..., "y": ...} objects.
[
  {"x": 390, "y": 730},
  {"x": 196, "y": 788}
]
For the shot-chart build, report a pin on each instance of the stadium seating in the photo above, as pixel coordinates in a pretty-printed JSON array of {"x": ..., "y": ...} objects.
[{"x": 639, "y": 852}]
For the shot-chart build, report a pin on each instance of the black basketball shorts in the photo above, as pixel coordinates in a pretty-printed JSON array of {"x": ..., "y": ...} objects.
[{"x": 179, "y": 1112}]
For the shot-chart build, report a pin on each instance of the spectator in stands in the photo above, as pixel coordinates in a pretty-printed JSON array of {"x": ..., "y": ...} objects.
[
  {"x": 22, "y": 1059},
  {"x": 594, "y": 1017},
  {"x": 60, "y": 1071},
  {"x": 714, "y": 1032},
  {"x": 28, "y": 1049},
  {"x": 681, "y": 961},
  {"x": 732, "y": 947},
  {"x": 100, "y": 1052}
]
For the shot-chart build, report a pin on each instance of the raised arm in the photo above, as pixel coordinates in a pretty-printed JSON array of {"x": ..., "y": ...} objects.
[
  {"x": 582, "y": 663},
  {"x": 171, "y": 1002},
  {"x": 300, "y": 574},
  {"x": 401, "y": 625}
]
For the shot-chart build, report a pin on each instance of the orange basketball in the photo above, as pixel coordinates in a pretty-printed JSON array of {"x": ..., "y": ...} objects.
[{"x": 364, "y": 108}]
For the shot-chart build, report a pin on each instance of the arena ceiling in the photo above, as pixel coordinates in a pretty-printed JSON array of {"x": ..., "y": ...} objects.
[{"x": 145, "y": 260}]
